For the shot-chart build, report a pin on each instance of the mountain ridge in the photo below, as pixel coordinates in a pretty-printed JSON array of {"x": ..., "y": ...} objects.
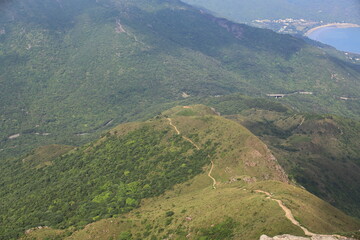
[
  {"x": 72, "y": 71},
  {"x": 201, "y": 146}
]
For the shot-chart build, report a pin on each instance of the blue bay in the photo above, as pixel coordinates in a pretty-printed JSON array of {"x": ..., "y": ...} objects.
[{"x": 344, "y": 39}]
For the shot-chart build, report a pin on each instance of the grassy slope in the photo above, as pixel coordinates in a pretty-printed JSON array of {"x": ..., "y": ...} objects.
[
  {"x": 198, "y": 208},
  {"x": 205, "y": 207},
  {"x": 319, "y": 152},
  {"x": 251, "y": 213},
  {"x": 42, "y": 156},
  {"x": 133, "y": 161},
  {"x": 98, "y": 180},
  {"x": 233, "y": 142},
  {"x": 66, "y": 70}
]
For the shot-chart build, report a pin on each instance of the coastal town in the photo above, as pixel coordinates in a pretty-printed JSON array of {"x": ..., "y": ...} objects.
[
  {"x": 297, "y": 26},
  {"x": 288, "y": 25}
]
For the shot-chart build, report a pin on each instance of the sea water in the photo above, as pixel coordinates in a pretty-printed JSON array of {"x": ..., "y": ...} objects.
[{"x": 343, "y": 39}]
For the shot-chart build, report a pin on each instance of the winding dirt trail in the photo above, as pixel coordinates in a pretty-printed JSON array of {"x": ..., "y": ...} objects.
[
  {"x": 171, "y": 124},
  {"x": 185, "y": 138},
  {"x": 290, "y": 216},
  {"x": 190, "y": 141},
  {"x": 197, "y": 147},
  {"x": 209, "y": 175},
  {"x": 288, "y": 213}
]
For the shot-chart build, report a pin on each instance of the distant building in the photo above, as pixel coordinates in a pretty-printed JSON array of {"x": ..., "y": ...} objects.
[{"x": 276, "y": 95}]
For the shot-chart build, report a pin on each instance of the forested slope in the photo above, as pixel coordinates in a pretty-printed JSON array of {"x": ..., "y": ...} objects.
[
  {"x": 202, "y": 177},
  {"x": 133, "y": 161},
  {"x": 71, "y": 69}
]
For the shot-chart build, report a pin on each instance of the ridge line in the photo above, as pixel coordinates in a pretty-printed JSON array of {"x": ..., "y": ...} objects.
[
  {"x": 197, "y": 147},
  {"x": 290, "y": 216}
]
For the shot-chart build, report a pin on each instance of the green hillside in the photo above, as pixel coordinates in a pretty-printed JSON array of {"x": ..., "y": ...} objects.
[
  {"x": 72, "y": 69},
  {"x": 319, "y": 152},
  {"x": 232, "y": 211},
  {"x": 111, "y": 176},
  {"x": 214, "y": 160}
]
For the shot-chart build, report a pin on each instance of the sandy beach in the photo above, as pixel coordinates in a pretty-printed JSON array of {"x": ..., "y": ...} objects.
[{"x": 334, "y": 25}]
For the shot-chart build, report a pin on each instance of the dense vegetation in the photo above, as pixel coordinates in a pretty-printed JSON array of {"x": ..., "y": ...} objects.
[
  {"x": 65, "y": 187},
  {"x": 99, "y": 180},
  {"x": 233, "y": 211},
  {"x": 71, "y": 69},
  {"x": 220, "y": 231}
]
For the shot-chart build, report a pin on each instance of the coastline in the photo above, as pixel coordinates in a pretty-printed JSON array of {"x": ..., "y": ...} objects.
[{"x": 334, "y": 25}]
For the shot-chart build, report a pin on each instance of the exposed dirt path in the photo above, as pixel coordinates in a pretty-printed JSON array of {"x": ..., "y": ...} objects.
[
  {"x": 288, "y": 213},
  {"x": 197, "y": 147},
  {"x": 171, "y": 124},
  {"x": 302, "y": 121},
  {"x": 290, "y": 216},
  {"x": 185, "y": 138},
  {"x": 209, "y": 175},
  {"x": 119, "y": 28},
  {"x": 190, "y": 141}
]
